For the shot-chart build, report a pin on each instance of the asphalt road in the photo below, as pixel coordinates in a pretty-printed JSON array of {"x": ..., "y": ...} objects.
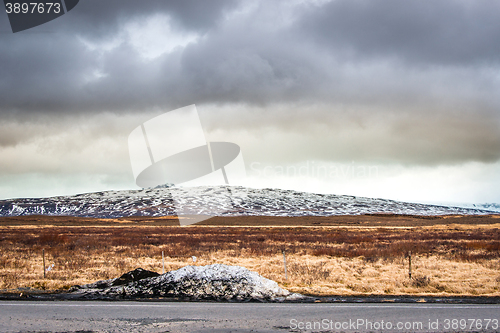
[{"x": 98, "y": 316}]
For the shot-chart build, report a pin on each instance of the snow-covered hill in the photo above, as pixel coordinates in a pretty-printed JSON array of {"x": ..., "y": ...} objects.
[
  {"x": 485, "y": 206},
  {"x": 217, "y": 201}
]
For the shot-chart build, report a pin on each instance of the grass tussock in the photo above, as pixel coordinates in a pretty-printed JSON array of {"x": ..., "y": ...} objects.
[{"x": 320, "y": 260}]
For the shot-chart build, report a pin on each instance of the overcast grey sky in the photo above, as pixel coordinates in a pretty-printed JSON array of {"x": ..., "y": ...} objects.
[{"x": 407, "y": 88}]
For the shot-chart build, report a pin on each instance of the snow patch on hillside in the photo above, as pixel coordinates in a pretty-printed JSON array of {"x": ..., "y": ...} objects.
[{"x": 219, "y": 201}]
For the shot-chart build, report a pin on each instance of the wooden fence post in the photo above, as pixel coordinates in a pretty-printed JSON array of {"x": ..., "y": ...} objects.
[
  {"x": 163, "y": 262},
  {"x": 284, "y": 262},
  {"x": 43, "y": 256},
  {"x": 409, "y": 264}
]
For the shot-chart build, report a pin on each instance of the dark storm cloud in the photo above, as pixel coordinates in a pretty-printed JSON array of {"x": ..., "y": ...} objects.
[
  {"x": 424, "y": 62},
  {"x": 35, "y": 78},
  {"x": 445, "y": 32},
  {"x": 324, "y": 53},
  {"x": 48, "y": 68},
  {"x": 99, "y": 18}
]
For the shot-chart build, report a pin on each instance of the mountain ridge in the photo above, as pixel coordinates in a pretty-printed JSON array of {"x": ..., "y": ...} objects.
[{"x": 218, "y": 201}]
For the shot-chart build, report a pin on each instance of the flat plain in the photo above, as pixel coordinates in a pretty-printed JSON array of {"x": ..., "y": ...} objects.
[{"x": 336, "y": 255}]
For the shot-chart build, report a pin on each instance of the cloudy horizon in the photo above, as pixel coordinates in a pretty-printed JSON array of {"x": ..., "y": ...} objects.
[{"x": 387, "y": 99}]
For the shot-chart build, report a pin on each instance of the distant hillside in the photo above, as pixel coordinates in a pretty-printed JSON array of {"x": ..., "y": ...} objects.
[
  {"x": 219, "y": 201},
  {"x": 487, "y": 206}
]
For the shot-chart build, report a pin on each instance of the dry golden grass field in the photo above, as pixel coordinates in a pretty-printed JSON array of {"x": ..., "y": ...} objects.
[{"x": 342, "y": 255}]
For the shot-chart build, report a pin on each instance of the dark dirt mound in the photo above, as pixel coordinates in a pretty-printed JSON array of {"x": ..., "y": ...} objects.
[
  {"x": 132, "y": 276},
  {"x": 129, "y": 277}
]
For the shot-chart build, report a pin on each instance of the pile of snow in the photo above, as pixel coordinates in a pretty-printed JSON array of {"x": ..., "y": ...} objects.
[
  {"x": 211, "y": 282},
  {"x": 220, "y": 201}
]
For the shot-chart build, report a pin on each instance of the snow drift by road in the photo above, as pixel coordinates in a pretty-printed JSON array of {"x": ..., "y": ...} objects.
[{"x": 211, "y": 282}]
